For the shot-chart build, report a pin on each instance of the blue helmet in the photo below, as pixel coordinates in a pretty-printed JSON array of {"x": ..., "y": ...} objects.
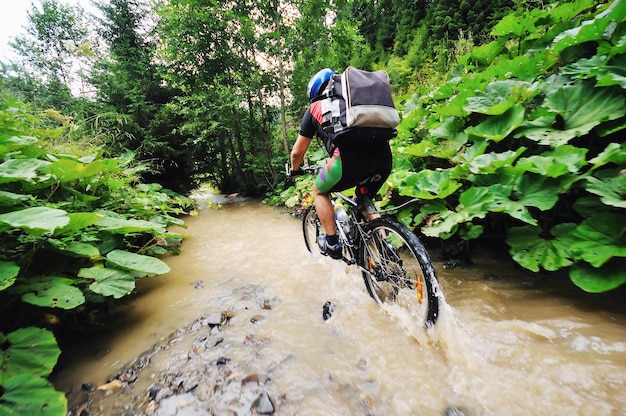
[{"x": 313, "y": 89}]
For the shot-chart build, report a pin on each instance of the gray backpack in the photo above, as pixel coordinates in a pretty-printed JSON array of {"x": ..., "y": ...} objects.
[{"x": 357, "y": 107}]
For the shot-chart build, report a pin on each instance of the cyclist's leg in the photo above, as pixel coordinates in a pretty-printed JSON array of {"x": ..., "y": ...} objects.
[{"x": 328, "y": 177}]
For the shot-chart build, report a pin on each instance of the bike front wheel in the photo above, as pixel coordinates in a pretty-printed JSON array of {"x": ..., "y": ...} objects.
[
  {"x": 312, "y": 229},
  {"x": 397, "y": 270}
]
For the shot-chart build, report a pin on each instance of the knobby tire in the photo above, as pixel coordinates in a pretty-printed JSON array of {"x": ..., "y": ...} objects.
[
  {"x": 398, "y": 270},
  {"x": 396, "y": 267}
]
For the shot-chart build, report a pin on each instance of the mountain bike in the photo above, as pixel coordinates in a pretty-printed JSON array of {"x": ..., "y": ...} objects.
[{"x": 395, "y": 265}]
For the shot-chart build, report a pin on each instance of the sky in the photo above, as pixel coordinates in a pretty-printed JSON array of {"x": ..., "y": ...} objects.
[{"x": 13, "y": 18}]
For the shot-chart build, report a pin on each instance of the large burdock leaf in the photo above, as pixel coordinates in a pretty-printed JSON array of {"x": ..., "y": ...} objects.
[
  {"x": 499, "y": 97},
  {"x": 9, "y": 199},
  {"x": 51, "y": 292},
  {"x": 600, "y": 238},
  {"x": 613, "y": 153},
  {"x": 497, "y": 128},
  {"x": 442, "y": 225},
  {"x": 109, "y": 282},
  {"x": 124, "y": 226},
  {"x": 555, "y": 163},
  {"x": 474, "y": 203},
  {"x": 28, "y": 395},
  {"x": 577, "y": 109},
  {"x": 66, "y": 170},
  {"x": 611, "y": 190},
  {"x": 491, "y": 162},
  {"x": 590, "y": 279},
  {"x": 13, "y": 143},
  {"x": 600, "y": 27},
  {"x": 501, "y": 202},
  {"x": 429, "y": 184},
  {"x": 36, "y": 220},
  {"x": 31, "y": 350},
  {"x": 8, "y": 273},
  {"x": 78, "y": 221},
  {"x": 76, "y": 249},
  {"x": 537, "y": 191},
  {"x": 532, "y": 252},
  {"x": 28, "y": 357},
  {"x": 14, "y": 170},
  {"x": 139, "y": 263}
]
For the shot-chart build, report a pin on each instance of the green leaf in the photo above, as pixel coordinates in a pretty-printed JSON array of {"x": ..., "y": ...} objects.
[
  {"x": 76, "y": 249},
  {"x": 557, "y": 162},
  {"x": 613, "y": 74},
  {"x": 613, "y": 153},
  {"x": 13, "y": 143},
  {"x": 109, "y": 282},
  {"x": 429, "y": 184},
  {"x": 471, "y": 232},
  {"x": 78, "y": 221},
  {"x": 8, "y": 273},
  {"x": 612, "y": 191},
  {"x": 592, "y": 30},
  {"x": 594, "y": 280},
  {"x": 442, "y": 225},
  {"x": 499, "y": 97},
  {"x": 490, "y": 162},
  {"x": 600, "y": 238},
  {"x": 52, "y": 292},
  {"x": 474, "y": 202},
  {"x": 28, "y": 395},
  {"x": 124, "y": 226},
  {"x": 533, "y": 252},
  {"x": 497, "y": 128},
  {"x": 15, "y": 170},
  {"x": 32, "y": 350},
  {"x": 9, "y": 199},
  {"x": 579, "y": 107},
  {"x": 137, "y": 262},
  {"x": 537, "y": 191},
  {"x": 519, "y": 23},
  {"x": 503, "y": 203},
  {"x": 36, "y": 220},
  {"x": 69, "y": 170}
]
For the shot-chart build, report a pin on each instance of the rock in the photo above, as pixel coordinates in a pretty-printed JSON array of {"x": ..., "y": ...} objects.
[
  {"x": 214, "y": 319},
  {"x": 257, "y": 318},
  {"x": 328, "y": 309},
  {"x": 454, "y": 411},
  {"x": 223, "y": 361},
  {"x": 263, "y": 405},
  {"x": 112, "y": 385}
]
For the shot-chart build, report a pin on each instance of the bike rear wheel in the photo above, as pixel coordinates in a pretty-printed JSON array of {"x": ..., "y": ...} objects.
[{"x": 397, "y": 270}]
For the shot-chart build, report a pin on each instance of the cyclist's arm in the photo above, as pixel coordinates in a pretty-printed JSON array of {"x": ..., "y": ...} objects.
[{"x": 298, "y": 151}]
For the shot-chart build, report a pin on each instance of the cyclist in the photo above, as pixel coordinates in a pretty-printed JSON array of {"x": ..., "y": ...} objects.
[{"x": 346, "y": 166}]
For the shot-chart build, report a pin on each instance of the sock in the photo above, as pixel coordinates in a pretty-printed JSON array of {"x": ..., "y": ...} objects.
[{"x": 332, "y": 239}]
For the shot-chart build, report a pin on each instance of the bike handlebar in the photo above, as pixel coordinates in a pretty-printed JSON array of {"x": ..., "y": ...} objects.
[{"x": 310, "y": 170}]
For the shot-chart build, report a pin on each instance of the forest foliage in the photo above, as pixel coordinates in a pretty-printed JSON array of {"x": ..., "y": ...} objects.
[{"x": 513, "y": 118}]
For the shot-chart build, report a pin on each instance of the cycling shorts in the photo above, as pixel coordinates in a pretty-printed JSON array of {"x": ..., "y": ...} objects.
[{"x": 347, "y": 168}]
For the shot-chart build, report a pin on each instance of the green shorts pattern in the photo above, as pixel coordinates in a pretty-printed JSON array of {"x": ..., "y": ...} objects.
[{"x": 330, "y": 174}]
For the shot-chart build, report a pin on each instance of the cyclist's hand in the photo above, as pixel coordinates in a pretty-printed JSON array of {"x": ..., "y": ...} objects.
[{"x": 297, "y": 172}]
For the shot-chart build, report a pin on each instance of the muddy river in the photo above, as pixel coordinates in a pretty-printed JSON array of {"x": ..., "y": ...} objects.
[{"x": 508, "y": 342}]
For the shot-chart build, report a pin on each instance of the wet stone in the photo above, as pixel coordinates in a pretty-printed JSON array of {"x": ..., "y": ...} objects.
[
  {"x": 328, "y": 309},
  {"x": 214, "y": 319},
  {"x": 257, "y": 318},
  {"x": 263, "y": 405},
  {"x": 223, "y": 361},
  {"x": 454, "y": 411}
]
